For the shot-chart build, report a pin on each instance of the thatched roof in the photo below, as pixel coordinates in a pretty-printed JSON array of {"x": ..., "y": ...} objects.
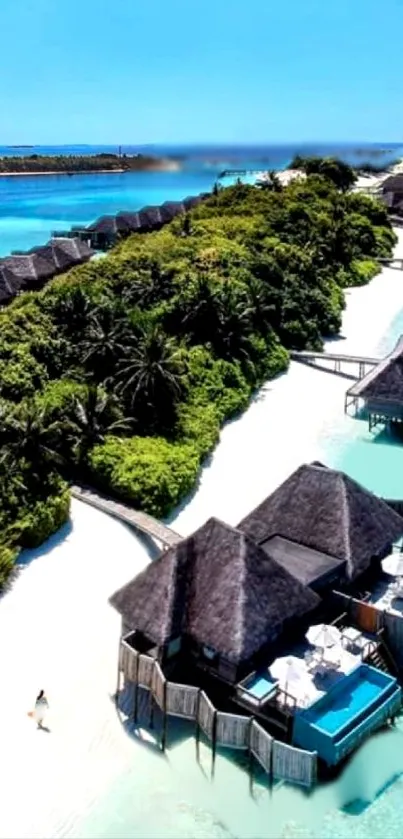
[
  {"x": 192, "y": 201},
  {"x": 68, "y": 252},
  {"x": 218, "y": 588},
  {"x": 385, "y": 380},
  {"x": 130, "y": 221},
  {"x": 105, "y": 224},
  {"x": 19, "y": 270},
  {"x": 326, "y": 510},
  {"x": 170, "y": 209},
  {"x": 394, "y": 183},
  {"x": 8, "y": 287},
  {"x": 150, "y": 218}
]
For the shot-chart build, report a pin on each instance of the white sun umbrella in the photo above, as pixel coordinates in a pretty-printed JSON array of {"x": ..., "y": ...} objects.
[
  {"x": 288, "y": 670},
  {"x": 393, "y": 565},
  {"x": 322, "y": 635}
]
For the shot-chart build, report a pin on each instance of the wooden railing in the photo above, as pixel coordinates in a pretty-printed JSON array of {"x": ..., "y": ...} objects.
[{"x": 233, "y": 731}]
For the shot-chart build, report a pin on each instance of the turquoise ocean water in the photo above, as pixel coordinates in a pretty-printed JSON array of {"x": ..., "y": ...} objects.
[
  {"x": 171, "y": 796},
  {"x": 31, "y": 207}
]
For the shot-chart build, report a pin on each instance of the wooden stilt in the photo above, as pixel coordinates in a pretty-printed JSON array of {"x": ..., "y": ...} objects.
[
  {"x": 164, "y": 720},
  {"x": 118, "y": 676},
  {"x": 197, "y": 738},
  {"x": 151, "y": 722},
  {"x": 250, "y": 760},
  {"x": 214, "y": 744},
  {"x": 136, "y": 692}
]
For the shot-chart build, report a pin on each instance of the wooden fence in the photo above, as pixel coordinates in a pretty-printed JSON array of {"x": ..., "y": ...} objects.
[
  {"x": 293, "y": 764},
  {"x": 232, "y": 731},
  {"x": 371, "y": 619}
]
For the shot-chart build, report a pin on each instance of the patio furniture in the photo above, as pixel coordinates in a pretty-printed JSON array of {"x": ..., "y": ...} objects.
[{"x": 351, "y": 637}]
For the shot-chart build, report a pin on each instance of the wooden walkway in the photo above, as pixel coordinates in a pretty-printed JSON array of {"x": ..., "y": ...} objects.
[
  {"x": 323, "y": 359},
  {"x": 135, "y": 518},
  {"x": 395, "y": 262}
]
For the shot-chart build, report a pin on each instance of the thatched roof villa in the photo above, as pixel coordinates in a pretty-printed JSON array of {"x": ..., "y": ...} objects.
[
  {"x": 392, "y": 190},
  {"x": 323, "y": 526},
  {"x": 382, "y": 389},
  {"x": 218, "y": 595},
  {"x": 216, "y": 610}
]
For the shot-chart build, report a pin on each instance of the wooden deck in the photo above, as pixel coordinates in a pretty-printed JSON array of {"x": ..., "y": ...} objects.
[
  {"x": 336, "y": 360},
  {"x": 135, "y": 518}
]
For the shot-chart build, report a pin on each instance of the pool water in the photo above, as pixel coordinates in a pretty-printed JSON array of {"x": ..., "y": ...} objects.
[
  {"x": 347, "y": 705},
  {"x": 259, "y": 686}
]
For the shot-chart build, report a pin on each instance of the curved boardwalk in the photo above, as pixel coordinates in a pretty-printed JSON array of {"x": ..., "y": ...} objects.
[{"x": 141, "y": 521}]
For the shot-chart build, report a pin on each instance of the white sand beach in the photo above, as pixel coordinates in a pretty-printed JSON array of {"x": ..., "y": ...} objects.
[{"x": 58, "y": 633}]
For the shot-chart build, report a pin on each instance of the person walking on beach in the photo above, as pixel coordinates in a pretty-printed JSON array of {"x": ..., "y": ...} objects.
[{"x": 41, "y": 706}]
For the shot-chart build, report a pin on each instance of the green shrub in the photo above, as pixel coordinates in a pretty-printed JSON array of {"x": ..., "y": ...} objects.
[
  {"x": 45, "y": 517},
  {"x": 148, "y": 472},
  {"x": 199, "y": 425},
  {"x": 8, "y": 556},
  {"x": 362, "y": 271}
]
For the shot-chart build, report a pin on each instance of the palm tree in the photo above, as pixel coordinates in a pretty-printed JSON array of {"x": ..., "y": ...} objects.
[
  {"x": 93, "y": 416},
  {"x": 234, "y": 325},
  {"x": 152, "y": 377},
  {"x": 73, "y": 311},
  {"x": 107, "y": 338},
  {"x": 29, "y": 436},
  {"x": 262, "y": 306}
]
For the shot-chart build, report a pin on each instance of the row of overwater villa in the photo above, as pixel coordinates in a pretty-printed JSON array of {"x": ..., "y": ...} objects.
[
  {"x": 31, "y": 270},
  {"x": 281, "y": 636}
]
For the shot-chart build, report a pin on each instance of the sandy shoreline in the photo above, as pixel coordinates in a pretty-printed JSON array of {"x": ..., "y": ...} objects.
[{"x": 58, "y": 632}]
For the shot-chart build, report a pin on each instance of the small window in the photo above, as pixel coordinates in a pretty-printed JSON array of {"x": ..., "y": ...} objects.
[
  {"x": 209, "y": 653},
  {"x": 174, "y": 647}
]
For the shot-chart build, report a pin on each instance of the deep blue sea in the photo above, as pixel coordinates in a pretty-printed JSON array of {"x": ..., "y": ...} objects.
[{"x": 32, "y": 207}]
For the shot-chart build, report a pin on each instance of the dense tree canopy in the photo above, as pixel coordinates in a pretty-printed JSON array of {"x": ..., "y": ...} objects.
[{"x": 122, "y": 371}]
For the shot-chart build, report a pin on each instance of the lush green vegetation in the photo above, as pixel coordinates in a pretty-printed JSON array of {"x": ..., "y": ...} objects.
[
  {"x": 340, "y": 173},
  {"x": 121, "y": 372},
  {"x": 78, "y": 163}
]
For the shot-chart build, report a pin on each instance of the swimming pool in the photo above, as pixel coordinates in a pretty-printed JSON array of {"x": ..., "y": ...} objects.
[
  {"x": 357, "y": 704},
  {"x": 345, "y": 706},
  {"x": 256, "y": 688}
]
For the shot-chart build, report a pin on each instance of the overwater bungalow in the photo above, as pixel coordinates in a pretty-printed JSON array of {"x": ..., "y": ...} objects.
[
  {"x": 170, "y": 209},
  {"x": 9, "y": 285},
  {"x": 150, "y": 219},
  {"x": 392, "y": 191},
  {"x": 129, "y": 222},
  {"x": 216, "y": 599},
  {"x": 203, "y": 625},
  {"x": 62, "y": 253},
  {"x": 381, "y": 390},
  {"x": 324, "y": 527},
  {"x": 20, "y": 271}
]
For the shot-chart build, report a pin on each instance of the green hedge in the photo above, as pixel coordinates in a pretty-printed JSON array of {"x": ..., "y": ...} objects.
[
  {"x": 45, "y": 518},
  {"x": 150, "y": 473}
]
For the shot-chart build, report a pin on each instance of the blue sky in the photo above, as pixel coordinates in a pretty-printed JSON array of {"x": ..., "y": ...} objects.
[{"x": 138, "y": 71}]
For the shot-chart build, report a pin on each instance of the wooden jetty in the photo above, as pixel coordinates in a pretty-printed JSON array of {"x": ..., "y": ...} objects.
[
  {"x": 238, "y": 173},
  {"x": 135, "y": 518},
  {"x": 393, "y": 262},
  {"x": 336, "y": 360}
]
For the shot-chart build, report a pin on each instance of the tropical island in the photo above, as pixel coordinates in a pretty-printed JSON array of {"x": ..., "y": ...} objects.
[
  {"x": 121, "y": 372},
  {"x": 38, "y": 164}
]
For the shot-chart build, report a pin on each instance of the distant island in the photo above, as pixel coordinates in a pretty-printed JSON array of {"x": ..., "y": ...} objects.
[{"x": 37, "y": 164}]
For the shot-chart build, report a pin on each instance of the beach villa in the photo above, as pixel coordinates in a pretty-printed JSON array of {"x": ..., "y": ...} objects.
[
  {"x": 381, "y": 390},
  {"x": 392, "y": 192},
  {"x": 208, "y": 628}
]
